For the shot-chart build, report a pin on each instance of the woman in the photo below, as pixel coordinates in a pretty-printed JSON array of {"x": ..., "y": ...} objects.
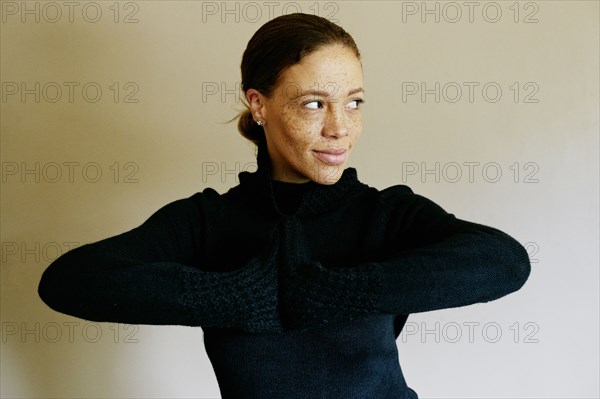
[{"x": 301, "y": 276}]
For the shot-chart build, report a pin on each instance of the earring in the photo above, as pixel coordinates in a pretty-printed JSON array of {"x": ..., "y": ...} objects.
[{"x": 259, "y": 122}]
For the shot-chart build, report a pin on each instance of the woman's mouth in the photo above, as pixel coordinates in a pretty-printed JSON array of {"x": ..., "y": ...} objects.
[{"x": 332, "y": 156}]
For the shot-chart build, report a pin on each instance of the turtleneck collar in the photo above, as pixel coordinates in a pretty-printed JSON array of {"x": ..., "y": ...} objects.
[{"x": 317, "y": 198}]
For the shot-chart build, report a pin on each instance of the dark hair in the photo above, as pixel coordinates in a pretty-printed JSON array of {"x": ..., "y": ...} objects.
[{"x": 277, "y": 45}]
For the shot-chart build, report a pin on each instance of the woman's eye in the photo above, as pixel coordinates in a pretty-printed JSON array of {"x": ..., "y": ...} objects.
[
  {"x": 355, "y": 104},
  {"x": 314, "y": 105}
]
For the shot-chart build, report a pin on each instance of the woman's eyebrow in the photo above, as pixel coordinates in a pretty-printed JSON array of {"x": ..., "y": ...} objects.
[{"x": 323, "y": 93}]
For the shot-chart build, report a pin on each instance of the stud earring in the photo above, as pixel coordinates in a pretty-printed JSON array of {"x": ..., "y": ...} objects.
[{"x": 259, "y": 122}]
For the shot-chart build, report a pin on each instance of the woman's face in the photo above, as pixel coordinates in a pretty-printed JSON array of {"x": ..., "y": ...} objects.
[{"x": 313, "y": 117}]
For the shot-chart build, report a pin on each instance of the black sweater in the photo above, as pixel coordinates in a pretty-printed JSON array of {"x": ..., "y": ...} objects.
[{"x": 301, "y": 289}]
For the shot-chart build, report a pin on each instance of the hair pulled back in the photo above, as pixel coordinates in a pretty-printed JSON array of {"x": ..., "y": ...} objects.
[{"x": 277, "y": 45}]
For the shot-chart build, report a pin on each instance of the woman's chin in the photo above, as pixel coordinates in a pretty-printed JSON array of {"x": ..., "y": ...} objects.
[
  {"x": 319, "y": 172},
  {"x": 328, "y": 175}
]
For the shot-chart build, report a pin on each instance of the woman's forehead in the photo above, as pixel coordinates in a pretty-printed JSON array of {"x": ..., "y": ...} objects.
[{"x": 327, "y": 71}]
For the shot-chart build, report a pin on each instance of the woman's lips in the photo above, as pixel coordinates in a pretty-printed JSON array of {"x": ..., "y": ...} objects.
[{"x": 332, "y": 157}]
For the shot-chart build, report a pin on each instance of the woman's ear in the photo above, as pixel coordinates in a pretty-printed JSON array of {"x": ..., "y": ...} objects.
[{"x": 257, "y": 104}]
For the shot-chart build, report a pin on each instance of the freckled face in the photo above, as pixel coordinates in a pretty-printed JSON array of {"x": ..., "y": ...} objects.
[{"x": 313, "y": 117}]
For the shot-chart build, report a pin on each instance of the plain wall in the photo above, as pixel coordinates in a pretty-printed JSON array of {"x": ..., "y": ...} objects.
[{"x": 519, "y": 152}]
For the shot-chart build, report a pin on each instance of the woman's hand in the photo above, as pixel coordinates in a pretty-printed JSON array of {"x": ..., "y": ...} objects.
[{"x": 313, "y": 295}]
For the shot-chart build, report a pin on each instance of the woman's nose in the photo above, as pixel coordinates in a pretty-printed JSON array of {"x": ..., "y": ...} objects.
[{"x": 335, "y": 123}]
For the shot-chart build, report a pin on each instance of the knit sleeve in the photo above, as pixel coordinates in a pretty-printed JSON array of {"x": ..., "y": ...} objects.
[
  {"x": 151, "y": 275},
  {"x": 444, "y": 262},
  {"x": 432, "y": 260}
]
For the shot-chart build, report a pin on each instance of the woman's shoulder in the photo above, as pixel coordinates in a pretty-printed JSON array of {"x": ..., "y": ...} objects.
[
  {"x": 185, "y": 209},
  {"x": 403, "y": 203},
  {"x": 396, "y": 190},
  {"x": 390, "y": 196},
  {"x": 401, "y": 193}
]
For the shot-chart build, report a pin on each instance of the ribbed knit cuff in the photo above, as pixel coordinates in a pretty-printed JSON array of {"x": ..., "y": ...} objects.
[
  {"x": 245, "y": 298},
  {"x": 314, "y": 295}
]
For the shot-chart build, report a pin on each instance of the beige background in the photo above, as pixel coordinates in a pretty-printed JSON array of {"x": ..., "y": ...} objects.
[{"x": 161, "y": 137}]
